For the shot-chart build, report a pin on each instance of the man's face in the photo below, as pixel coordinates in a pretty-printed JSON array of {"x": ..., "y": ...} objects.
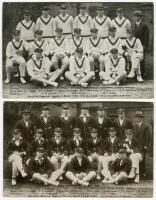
[
  {"x": 119, "y": 14},
  {"x": 115, "y": 56},
  {"x": 100, "y": 12},
  {"x": 38, "y": 55},
  {"x": 39, "y": 154},
  {"x": 79, "y": 55},
  {"x": 101, "y": 113},
  {"x": 121, "y": 115},
  {"x": 139, "y": 119},
  {"x": 112, "y": 133},
  {"x": 27, "y": 17},
  {"x": 112, "y": 33},
  {"x": 94, "y": 134},
  {"x": 38, "y": 36},
  {"x": 94, "y": 35},
  {"x": 59, "y": 35},
  {"x": 45, "y": 13},
  {"x": 83, "y": 11},
  {"x": 137, "y": 18},
  {"x": 58, "y": 133},
  {"x": 77, "y": 134},
  {"x": 45, "y": 112},
  {"x": 79, "y": 155},
  {"x": 63, "y": 11},
  {"x": 17, "y": 37},
  {"x": 129, "y": 136},
  {"x": 84, "y": 112},
  {"x": 65, "y": 112},
  {"x": 130, "y": 35},
  {"x": 77, "y": 35},
  {"x": 122, "y": 156},
  {"x": 26, "y": 116},
  {"x": 17, "y": 136}
]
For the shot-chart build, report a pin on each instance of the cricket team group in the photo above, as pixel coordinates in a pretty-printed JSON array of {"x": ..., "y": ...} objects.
[
  {"x": 47, "y": 149},
  {"x": 79, "y": 48}
]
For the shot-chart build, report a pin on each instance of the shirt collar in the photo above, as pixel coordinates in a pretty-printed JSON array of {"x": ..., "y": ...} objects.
[
  {"x": 44, "y": 116},
  {"x": 77, "y": 138},
  {"x": 63, "y": 116},
  {"x": 15, "y": 139}
]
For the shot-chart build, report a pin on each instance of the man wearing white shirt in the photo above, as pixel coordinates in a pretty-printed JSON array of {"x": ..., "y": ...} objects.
[
  {"x": 76, "y": 41},
  {"x": 114, "y": 69},
  {"x": 65, "y": 21},
  {"x": 84, "y": 22},
  {"x": 121, "y": 24},
  {"x": 38, "y": 68},
  {"x": 132, "y": 49},
  {"x": 94, "y": 48},
  {"x": 102, "y": 22},
  {"x": 26, "y": 27},
  {"x": 46, "y": 23},
  {"x": 112, "y": 41},
  {"x": 59, "y": 49},
  {"x": 14, "y": 55},
  {"x": 79, "y": 69}
]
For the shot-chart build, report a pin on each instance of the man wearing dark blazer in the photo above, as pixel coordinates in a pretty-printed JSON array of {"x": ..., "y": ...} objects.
[
  {"x": 102, "y": 122},
  {"x": 143, "y": 134},
  {"x": 65, "y": 121},
  {"x": 46, "y": 123},
  {"x": 79, "y": 170},
  {"x": 26, "y": 126},
  {"x": 121, "y": 123},
  {"x": 84, "y": 122},
  {"x": 141, "y": 31}
]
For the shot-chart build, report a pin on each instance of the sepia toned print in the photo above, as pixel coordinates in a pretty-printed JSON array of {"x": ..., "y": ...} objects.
[
  {"x": 77, "y": 50},
  {"x": 102, "y": 149}
]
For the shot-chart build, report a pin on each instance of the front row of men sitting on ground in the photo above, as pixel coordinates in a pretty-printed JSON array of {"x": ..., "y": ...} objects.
[
  {"x": 115, "y": 59},
  {"x": 80, "y": 160}
]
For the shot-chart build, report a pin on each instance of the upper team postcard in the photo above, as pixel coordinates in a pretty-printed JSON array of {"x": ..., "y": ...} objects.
[{"x": 78, "y": 50}]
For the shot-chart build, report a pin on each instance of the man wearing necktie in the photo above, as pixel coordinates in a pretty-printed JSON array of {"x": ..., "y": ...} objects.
[{"x": 141, "y": 31}]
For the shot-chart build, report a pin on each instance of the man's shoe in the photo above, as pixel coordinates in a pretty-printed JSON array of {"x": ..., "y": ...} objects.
[
  {"x": 13, "y": 182},
  {"x": 61, "y": 78},
  {"x": 84, "y": 84},
  {"x": 137, "y": 179},
  {"x": 98, "y": 177},
  {"x": 22, "y": 80},
  {"x": 7, "y": 81},
  {"x": 130, "y": 75},
  {"x": 60, "y": 178},
  {"x": 139, "y": 79}
]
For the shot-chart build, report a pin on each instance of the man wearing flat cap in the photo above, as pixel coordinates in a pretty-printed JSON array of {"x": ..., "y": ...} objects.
[
  {"x": 79, "y": 69},
  {"x": 38, "y": 68},
  {"x": 26, "y": 27},
  {"x": 15, "y": 56},
  {"x": 102, "y": 22},
  {"x": 102, "y": 122},
  {"x": 121, "y": 24},
  {"x": 143, "y": 134},
  {"x": 94, "y": 48},
  {"x": 132, "y": 49},
  {"x": 112, "y": 41},
  {"x": 26, "y": 125},
  {"x": 65, "y": 121},
  {"x": 46, "y": 122},
  {"x": 141, "y": 31},
  {"x": 59, "y": 50},
  {"x": 84, "y": 22},
  {"x": 46, "y": 23},
  {"x": 65, "y": 21},
  {"x": 115, "y": 70},
  {"x": 79, "y": 170},
  {"x": 122, "y": 123},
  {"x": 120, "y": 169},
  {"x": 77, "y": 41},
  {"x": 39, "y": 42}
]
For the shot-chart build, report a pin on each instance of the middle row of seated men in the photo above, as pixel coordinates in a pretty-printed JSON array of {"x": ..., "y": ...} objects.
[{"x": 77, "y": 59}]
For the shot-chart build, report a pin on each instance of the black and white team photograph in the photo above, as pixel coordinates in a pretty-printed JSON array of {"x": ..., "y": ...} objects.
[
  {"x": 78, "y": 149},
  {"x": 78, "y": 50}
]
